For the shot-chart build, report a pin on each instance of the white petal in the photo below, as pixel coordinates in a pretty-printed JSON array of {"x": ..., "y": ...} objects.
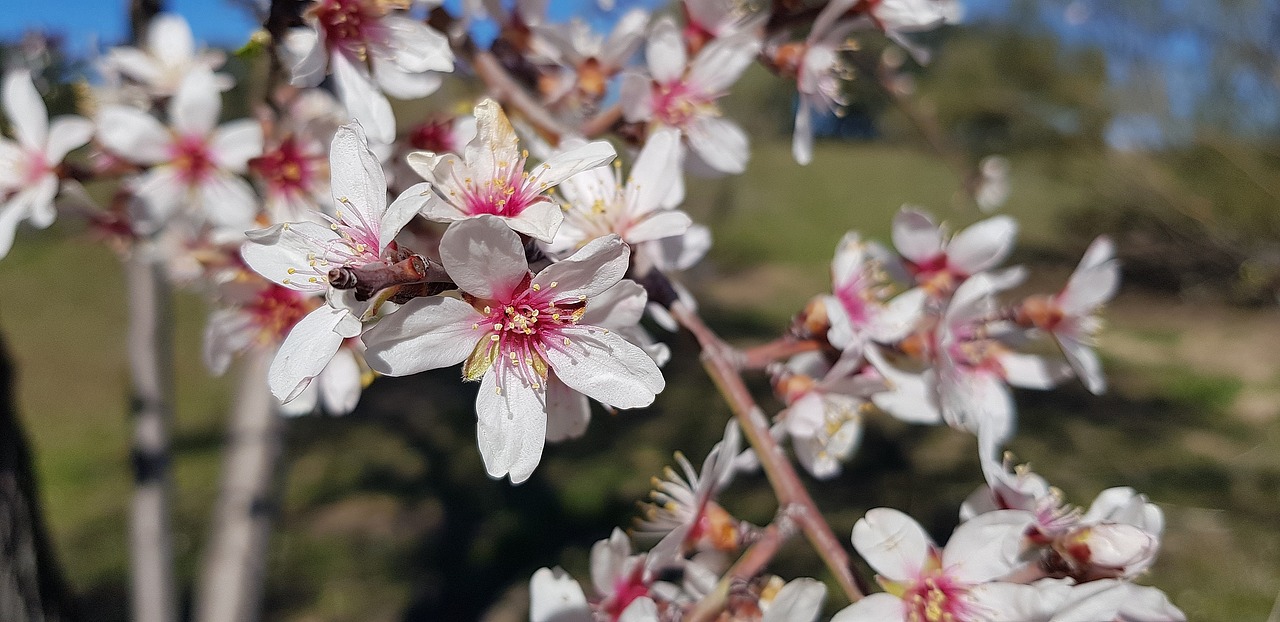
[
  {"x": 358, "y": 182},
  {"x": 983, "y": 245},
  {"x": 916, "y": 236},
  {"x": 986, "y": 547},
  {"x": 893, "y": 543},
  {"x": 909, "y": 397},
  {"x": 720, "y": 143},
  {"x": 568, "y": 411},
  {"x": 135, "y": 64},
  {"x": 307, "y": 56},
  {"x": 569, "y": 163},
  {"x": 161, "y": 192},
  {"x": 234, "y": 143},
  {"x": 418, "y": 47},
  {"x": 650, "y": 177},
  {"x": 308, "y": 348},
  {"x": 340, "y": 383},
  {"x": 11, "y": 214},
  {"x": 484, "y": 257},
  {"x": 616, "y": 308},
  {"x": 26, "y": 111},
  {"x": 1085, "y": 363},
  {"x": 363, "y": 102},
  {"x": 642, "y": 609},
  {"x": 802, "y": 138},
  {"x": 606, "y": 368},
  {"x": 512, "y": 427},
  {"x": 229, "y": 201},
  {"x": 66, "y": 134},
  {"x": 401, "y": 211},
  {"x": 878, "y": 607},
  {"x": 279, "y": 251},
  {"x": 227, "y": 333},
  {"x": 555, "y": 597},
  {"x": 665, "y": 52},
  {"x": 133, "y": 135},
  {"x": 978, "y": 402},
  {"x": 195, "y": 107},
  {"x": 636, "y": 95},
  {"x": 1094, "y": 282},
  {"x": 169, "y": 37},
  {"x": 400, "y": 84},
  {"x": 593, "y": 269},
  {"x": 425, "y": 333},
  {"x": 722, "y": 61},
  {"x": 659, "y": 225},
  {"x": 1032, "y": 372},
  {"x": 495, "y": 140},
  {"x": 799, "y": 600},
  {"x": 539, "y": 221},
  {"x": 898, "y": 318}
]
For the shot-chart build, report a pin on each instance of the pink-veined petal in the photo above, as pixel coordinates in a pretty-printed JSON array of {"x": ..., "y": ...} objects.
[
  {"x": 426, "y": 333},
  {"x": 606, "y": 367},
  {"x": 280, "y": 252},
  {"x": 511, "y": 427},
  {"x": 484, "y": 257},
  {"x": 358, "y": 182}
]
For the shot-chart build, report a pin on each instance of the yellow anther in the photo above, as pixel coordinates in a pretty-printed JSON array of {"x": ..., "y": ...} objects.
[
  {"x": 537, "y": 287},
  {"x": 290, "y": 270}
]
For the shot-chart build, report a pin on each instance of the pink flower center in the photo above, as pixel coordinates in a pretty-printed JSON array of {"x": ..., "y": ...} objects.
[
  {"x": 287, "y": 169},
  {"x": 508, "y": 193},
  {"x": 191, "y": 158},
  {"x": 349, "y": 25},
  {"x": 522, "y": 332},
  {"x": 677, "y": 103},
  {"x": 434, "y": 136},
  {"x": 936, "y": 597},
  {"x": 857, "y": 298},
  {"x": 276, "y": 310},
  {"x": 625, "y": 591}
]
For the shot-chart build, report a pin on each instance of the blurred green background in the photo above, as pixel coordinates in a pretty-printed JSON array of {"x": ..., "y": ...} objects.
[{"x": 386, "y": 514}]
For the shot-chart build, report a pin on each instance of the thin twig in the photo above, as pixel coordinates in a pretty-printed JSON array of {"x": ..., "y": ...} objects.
[
  {"x": 719, "y": 360},
  {"x": 752, "y": 563},
  {"x": 759, "y": 357}
]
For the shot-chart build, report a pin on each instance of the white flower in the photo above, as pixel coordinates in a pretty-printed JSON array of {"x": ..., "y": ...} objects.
[
  {"x": 194, "y": 162},
  {"x": 588, "y": 60},
  {"x": 939, "y": 263},
  {"x": 1071, "y": 316},
  {"x": 28, "y": 166},
  {"x": 682, "y": 509},
  {"x": 490, "y": 178},
  {"x": 860, "y": 310},
  {"x": 682, "y": 94},
  {"x": 300, "y": 256},
  {"x": 523, "y": 336},
  {"x": 824, "y": 411},
  {"x": 169, "y": 57},
  {"x": 370, "y": 51},
  {"x": 925, "y": 583},
  {"x": 818, "y": 75},
  {"x": 597, "y": 203}
]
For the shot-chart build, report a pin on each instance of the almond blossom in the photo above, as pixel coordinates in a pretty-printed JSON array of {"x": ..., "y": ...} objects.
[
  {"x": 939, "y": 262},
  {"x": 170, "y": 55},
  {"x": 370, "y": 51},
  {"x": 301, "y": 256},
  {"x": 818, "y": 71},
  {"x": 923, "y": 582},
  {"x": 861, "y": 310},
  {"x": 588, "y": 60},
  {"x": 598, "y": 203},
  {"x": 1071, "y": 316},
  {"x": 682, "y": 511},
  {"x": 28, "y": 165},
  {"x": 194, "y": 163},
  {"x": 682, "y": 94},
  {"x": 522, "y": 336},
  {"x": 825, "y": 405},
  {"x": 489, "y": 178}
]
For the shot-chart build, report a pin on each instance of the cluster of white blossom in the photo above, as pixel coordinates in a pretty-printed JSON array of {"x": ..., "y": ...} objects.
[{"x": 533, "y": 271}]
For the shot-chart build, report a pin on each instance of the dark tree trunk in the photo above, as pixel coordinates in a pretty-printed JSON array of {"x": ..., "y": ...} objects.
[{"x": 31, "y": 583}]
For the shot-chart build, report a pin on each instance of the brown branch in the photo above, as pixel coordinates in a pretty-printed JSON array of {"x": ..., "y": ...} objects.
[
  {"x": 752, "y": 563},
  {"x": 504, "y": 88},
  {"x": 723, "y": 365},
  {"x": 759, "y": 357}
]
